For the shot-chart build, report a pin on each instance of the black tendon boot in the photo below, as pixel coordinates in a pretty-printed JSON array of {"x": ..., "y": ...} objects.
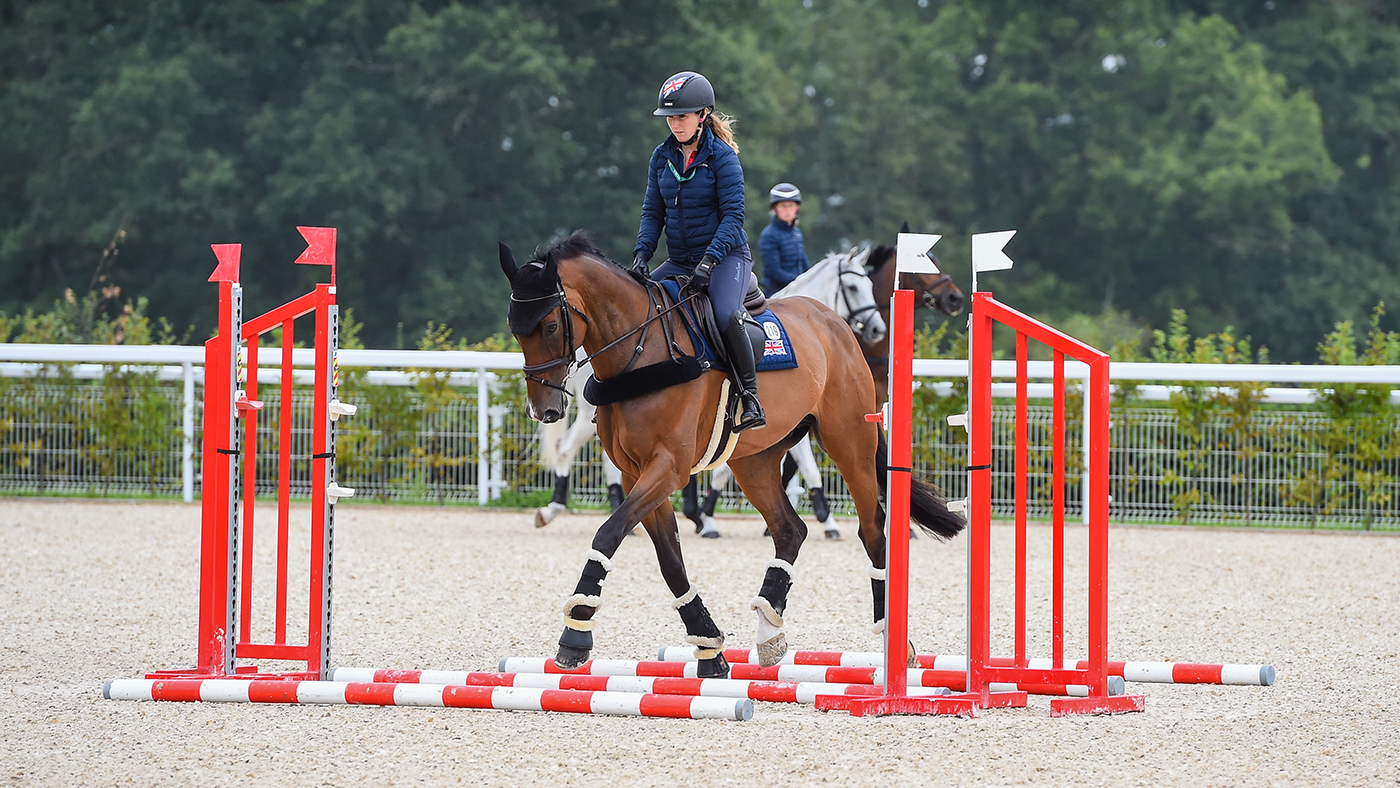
[
  {"x": 615, "y": 496},
  {"x": 576, "y": 642},
  {"x": 736, "y": 341},
  {"x": 702, "y": 633}
]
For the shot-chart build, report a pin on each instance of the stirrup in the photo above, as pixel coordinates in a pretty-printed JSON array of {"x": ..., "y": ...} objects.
[{"x": 756, "y": 419}]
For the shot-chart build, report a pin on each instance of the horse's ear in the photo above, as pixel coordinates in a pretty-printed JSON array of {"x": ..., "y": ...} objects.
[
  {"x": 904, "y": 228},
  {"x": 507, "y": 261},
  {"x": 550, "y": 275}
]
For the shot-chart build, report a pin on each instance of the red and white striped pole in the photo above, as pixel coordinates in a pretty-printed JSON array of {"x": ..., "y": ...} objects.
[
  {"x": 1140, "y": 671},
  {"x": 798, "y": 683},
  {"x": 308, "y": 692},
  {"x": 769, "y": 691}
]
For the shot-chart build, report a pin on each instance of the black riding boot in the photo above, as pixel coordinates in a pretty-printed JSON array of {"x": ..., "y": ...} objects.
[{"x": 736, "y": 341}]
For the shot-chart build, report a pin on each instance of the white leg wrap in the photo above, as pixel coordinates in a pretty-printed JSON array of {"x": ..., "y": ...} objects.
[
  {"x": 574, "y": 601},
  {"x": 594, "y": 555},
  {"x": 770, "y": 641},
  {"x": 878, "y": 574},
  {"x": 546, "y": 514},
  {"x": 706, "y": 648},
  {"x": 778, "y": 563},
  {"x": 878, "y": 627},
  {"x": 708, "y": 525},
  {"x": 684, "y": 599},
  {"x": 766, "y": 615}
]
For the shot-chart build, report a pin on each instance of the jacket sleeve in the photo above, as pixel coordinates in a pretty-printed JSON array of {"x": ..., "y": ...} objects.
[
  {"x": 729, "y": 183},
  {"x": 653, "y": 212},
  {"x": 770, "y": 252}
]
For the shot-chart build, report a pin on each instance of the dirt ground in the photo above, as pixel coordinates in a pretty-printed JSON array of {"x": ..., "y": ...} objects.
[{"x": 91, "y": 591}]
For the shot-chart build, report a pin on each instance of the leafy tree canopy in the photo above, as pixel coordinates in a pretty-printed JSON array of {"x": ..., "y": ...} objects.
[{"x": 1233, "y": 160}]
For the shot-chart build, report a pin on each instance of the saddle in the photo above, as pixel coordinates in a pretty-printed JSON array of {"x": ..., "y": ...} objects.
[{"x": 768, "y": 340}]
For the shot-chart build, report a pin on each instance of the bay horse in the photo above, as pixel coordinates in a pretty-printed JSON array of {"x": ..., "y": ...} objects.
[
  {"x": 570, "y": 294},
  {"x": 840, "y": 282},
  {"x": 935, "y": 291}
]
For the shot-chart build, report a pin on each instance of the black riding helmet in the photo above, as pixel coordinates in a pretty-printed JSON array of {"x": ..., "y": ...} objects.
[
  {"x": 685, "y": 92},
  {"x": 783, "y": 192}
]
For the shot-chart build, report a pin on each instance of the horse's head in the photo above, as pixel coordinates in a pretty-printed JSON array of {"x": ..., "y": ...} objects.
[
  {"x": 935, "y": 291},
  {"x": 540, "y": 319},
  {"x": 855, "y": 299}
]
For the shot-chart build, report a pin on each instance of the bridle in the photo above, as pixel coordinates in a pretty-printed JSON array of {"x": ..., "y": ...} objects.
[
  {"x": 856, "y": 317},
  {"x": 926, "y": 293},
  {"x": 656, "y": 309}
]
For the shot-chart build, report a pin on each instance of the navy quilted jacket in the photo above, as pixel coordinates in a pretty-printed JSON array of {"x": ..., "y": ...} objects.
[
  {"x": 702, "y": 208},
  {"x": 784, "y": 259}
]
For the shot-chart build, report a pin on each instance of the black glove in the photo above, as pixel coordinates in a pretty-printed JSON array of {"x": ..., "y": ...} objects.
[
  {"x": 700, "y": 280},
  {"x": 639, "y": 264}
]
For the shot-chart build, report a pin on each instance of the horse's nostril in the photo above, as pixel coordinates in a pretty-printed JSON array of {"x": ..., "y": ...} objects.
[{"x": 550, "y": 416}]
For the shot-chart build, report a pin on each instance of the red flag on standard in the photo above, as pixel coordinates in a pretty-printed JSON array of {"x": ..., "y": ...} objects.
[
  {"x": 229, "y": 256},
  {"x": 320, "y": 246}
]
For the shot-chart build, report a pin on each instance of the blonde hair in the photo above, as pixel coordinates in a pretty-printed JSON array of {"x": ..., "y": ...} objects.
[{"x": 723, "y": 127}]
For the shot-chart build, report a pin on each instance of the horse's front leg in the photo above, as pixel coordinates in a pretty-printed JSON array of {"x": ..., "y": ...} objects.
[
  {"x": 760, "y": 477},
  {"x": 647, "y": 493},
  {"x": 700, "y": 629}
]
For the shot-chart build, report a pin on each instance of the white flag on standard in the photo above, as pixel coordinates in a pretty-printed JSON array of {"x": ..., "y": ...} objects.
[
  {"x": 913, "y": 254},
  {"x": 987, "y": 254}
]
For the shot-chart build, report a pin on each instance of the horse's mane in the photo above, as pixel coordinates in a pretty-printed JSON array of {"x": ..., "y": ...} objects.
[
  {"x": 882, "y": 256},
  {"x": 819, "y": 267},
  {"x": 574, "y": 244}
]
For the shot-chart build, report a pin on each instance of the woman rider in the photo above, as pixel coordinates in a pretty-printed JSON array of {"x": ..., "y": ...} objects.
[
  {"x": 695, "y": 190},
  {"x": 780, "y": 245}
]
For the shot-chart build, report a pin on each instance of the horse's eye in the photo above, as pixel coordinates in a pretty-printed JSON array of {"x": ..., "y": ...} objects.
[{"x": 551, "y": 329}]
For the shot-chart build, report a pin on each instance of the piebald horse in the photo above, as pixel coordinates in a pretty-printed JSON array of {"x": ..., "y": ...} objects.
[{"x": 570, "y": 294}]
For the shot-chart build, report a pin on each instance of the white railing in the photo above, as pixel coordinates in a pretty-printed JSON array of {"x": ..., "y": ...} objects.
[{"x": 476, "y": 369}]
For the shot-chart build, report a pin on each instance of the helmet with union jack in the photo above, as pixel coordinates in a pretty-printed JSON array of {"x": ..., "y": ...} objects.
[{"x": 685, "y": 92}]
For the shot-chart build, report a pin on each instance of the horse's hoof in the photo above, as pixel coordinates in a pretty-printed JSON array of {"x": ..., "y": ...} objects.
[
  {"x": 913, "y": 655},
  {"x": 709, "y": 530},
  {"x": 570, "y": 658},
  {"x": 716, "y": 668},
  {"x": 546, "y": 514},
  {"x": 772, "y": 650},
  {"x": 833, "y": 534}
]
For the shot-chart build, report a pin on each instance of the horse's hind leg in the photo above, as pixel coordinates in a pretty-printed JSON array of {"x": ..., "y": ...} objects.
[
  {"x": 700, "y": 629},
  {"x": 761, "y": 480}
]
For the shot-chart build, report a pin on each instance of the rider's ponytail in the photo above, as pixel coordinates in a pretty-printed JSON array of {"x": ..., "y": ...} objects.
[{"x": 723, "y": 127}]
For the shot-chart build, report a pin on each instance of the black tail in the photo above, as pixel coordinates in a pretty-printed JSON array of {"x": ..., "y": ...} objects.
[{"x": 926, "y": 507}]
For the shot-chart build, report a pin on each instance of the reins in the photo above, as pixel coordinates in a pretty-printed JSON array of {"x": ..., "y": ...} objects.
[{"x": 655, "y": 304}]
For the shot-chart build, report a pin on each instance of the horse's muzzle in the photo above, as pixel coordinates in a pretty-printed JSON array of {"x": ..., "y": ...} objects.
[
  {"x": 874, "y": 330},
  {"x": 951, "y": 303}
]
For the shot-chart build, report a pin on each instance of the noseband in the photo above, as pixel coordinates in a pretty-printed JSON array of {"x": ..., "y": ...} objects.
[
  {"x": 856, "y": 317},
  {"x": 926, "y": 294}
]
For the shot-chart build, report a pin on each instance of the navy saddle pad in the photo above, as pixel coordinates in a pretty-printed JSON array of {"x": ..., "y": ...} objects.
[{"x": 777, "y": 348}]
